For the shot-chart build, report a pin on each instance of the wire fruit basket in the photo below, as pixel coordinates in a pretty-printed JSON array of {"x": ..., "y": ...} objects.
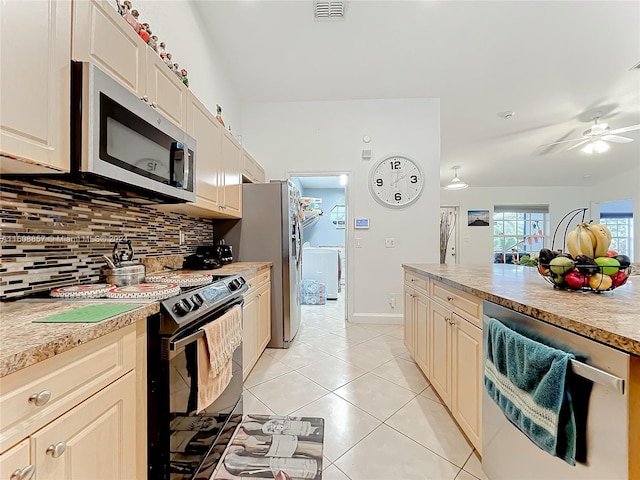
[{"x": 581, "y": 273}]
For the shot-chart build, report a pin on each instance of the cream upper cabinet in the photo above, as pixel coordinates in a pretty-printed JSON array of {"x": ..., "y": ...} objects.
[
  {"x": 103, "y": 37},
  {"x": 252, "y": 171},
  {"x": 165, "y": 91},
  {"x": 203, "y": 126},
  {"x": 35, "y": 39},
  {"x": 232, "y": 175}
]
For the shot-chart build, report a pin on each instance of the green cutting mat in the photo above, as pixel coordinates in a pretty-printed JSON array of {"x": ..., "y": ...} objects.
[{"x": 88, "y": 314}]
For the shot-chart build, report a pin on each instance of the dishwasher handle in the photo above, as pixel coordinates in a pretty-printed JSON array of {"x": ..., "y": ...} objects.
[{"x": 597, "y": 376}]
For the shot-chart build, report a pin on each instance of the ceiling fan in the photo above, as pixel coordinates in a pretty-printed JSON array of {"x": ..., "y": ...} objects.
[{"x": 597, "y": 135}]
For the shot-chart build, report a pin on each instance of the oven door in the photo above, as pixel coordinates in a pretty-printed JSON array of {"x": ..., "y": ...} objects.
[{"x": 183, "y": 444}]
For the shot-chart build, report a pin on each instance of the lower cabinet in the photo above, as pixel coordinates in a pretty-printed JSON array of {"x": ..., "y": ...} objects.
[
  {"x": 80, "y": 415},
  {"x": 256, "y": 315},
  {"x": 443, "y": 335}
]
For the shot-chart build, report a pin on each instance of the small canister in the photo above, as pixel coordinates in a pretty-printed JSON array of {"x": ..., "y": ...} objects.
[{"x": 124, "y": 275}]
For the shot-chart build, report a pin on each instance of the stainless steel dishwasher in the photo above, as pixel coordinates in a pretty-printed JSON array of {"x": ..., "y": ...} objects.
[{"x": 507, "y": 454}]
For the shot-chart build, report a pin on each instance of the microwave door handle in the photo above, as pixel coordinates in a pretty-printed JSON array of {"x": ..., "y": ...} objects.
[
  {"x": 177, "y": 175},
  {"x": 186, "y": 163}
]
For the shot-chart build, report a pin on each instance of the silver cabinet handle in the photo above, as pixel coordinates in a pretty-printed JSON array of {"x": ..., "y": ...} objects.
[
  {"x": 40, "y": 399},
  {"x": 145, "y": 98},
  {"x": 25, "y": 474},
  {"x": 56, "y": 450},
  {"x": 448, "y": 320},
  {"x": 451, "y": 322},
  {"x": 154, "y": 105},
  {"x": 450, "y": 298}
]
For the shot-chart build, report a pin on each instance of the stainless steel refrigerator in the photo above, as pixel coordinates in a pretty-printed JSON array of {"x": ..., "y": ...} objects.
[{"x": 271, "y": 231}]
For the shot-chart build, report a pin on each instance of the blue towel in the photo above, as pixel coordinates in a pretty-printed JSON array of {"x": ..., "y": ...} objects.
[{"x": 528, "y": 381}]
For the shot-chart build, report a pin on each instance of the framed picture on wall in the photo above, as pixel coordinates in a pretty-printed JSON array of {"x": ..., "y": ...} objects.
[{"x": 478, "y": 218}]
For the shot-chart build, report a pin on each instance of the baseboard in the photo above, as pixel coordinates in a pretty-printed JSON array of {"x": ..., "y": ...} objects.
[{"x": 377, "y": 318}]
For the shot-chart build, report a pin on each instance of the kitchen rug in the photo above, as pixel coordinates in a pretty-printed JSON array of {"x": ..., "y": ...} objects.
[
  {"x": 276, "y": 447},
  {"x": 88, "y": 314}
]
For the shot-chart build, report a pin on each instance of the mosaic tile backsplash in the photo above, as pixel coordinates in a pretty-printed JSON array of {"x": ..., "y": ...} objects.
[{"x": 53, "y": 236}]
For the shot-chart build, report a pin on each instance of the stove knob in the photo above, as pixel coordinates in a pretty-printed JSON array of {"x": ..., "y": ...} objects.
[
  {"x": 197, "y": 301},
  {"x": 234, "y": 285},
  {"x": 182, "y": 307}
]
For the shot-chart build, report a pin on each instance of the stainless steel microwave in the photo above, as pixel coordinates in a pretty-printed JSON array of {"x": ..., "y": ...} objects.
[{"x": 123, "y": 142}]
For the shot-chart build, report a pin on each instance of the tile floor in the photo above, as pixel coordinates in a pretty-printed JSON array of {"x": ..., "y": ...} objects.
[{"x": 382, "y": 419}]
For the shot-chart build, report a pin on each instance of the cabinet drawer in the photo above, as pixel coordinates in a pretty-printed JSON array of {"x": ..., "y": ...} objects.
[
  {"x": 460, "y": 302},
  {"x": 416, "y": 281},
  {"x": 69, "y": 378}
]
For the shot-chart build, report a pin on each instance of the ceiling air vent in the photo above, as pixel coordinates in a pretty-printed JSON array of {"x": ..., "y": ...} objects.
[{"x": 327, "y": 10}]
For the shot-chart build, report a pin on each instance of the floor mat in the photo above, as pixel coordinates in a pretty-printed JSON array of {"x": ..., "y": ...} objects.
[{"x": 275, "y": 447}]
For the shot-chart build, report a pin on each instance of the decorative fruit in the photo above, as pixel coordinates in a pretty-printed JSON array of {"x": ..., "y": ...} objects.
[
  {"x": 557, "y": 279},
  {"x": 586, "y": 265},
  {"x": 609, "y": 265},
  {"x": 544, "y": 271},
  {"x": 576, "y": 280},
  {"x": 545, "y": 256},
  {"x": 601, "y": 238},
  {"x": 610, "y": 253},
  {"x": 598, "y": 281},
  {"x": 619, "y": 278},
  {"x": 580, "y": 241},
  {"x": 561, "y": 265},
  {"x": 624, "y": 260}
]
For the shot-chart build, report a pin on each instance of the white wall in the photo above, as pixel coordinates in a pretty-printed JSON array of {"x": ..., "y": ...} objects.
[
  {"x": 179, "y": 25},
  {"x": 302, "y": 137},
  {"x": 476, "y": 243},
  {"x": 622, "y": 186}
]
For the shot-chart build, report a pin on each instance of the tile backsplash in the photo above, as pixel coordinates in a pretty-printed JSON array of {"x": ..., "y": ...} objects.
[{"x": 52, "y": 236}]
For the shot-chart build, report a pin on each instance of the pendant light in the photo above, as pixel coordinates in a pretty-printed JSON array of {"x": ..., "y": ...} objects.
[{"x": 456, "y": 183}]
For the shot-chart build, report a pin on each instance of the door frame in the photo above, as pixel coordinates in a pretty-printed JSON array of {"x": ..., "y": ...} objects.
[{"x": 348, "y": 308}]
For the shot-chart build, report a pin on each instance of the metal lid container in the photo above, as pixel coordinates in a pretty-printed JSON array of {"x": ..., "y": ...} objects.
[{"x": 128, "y": 273}]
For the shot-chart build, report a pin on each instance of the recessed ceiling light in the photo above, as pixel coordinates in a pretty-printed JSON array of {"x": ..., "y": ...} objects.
[{"x": 587, "y": 175}]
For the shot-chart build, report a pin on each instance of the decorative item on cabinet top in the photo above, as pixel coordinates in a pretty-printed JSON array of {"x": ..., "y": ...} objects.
[{"x": 144, "y": 32}]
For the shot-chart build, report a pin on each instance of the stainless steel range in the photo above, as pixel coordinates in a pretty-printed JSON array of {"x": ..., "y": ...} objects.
[{"x": 184, "y": 444}]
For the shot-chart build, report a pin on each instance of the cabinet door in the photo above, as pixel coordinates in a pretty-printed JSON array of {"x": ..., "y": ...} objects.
[
  {"x": 249, "y": 334},
  {"x": 421, "y": 311},
  {"x": 35, "y": 88},
  {"x": 409, "y": 321},
  {"x": 232, "y": 171},
  {"x": 103, "y": 37},
  {"x": 440, "y": 345},
  {"x": 165, "y": 91},
  {"x": 467, "y": 378},
  {"x": 16, "y": 461},
  {"x": 264, "y": 318},
  {"x": 95, "y": 440},
  {"x": 203, "y": 126}
]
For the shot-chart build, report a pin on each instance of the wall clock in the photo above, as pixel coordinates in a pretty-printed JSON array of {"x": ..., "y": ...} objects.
[{"x": 396, "y": 181}]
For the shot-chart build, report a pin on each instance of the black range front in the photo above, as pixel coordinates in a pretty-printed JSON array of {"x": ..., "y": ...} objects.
[{"x": 184, "y": 444}]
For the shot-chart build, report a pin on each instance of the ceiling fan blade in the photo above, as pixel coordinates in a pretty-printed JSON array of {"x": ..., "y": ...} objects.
[
  {"x": 563, "y": 141},
  {"x": 630, "y": 128},
  {"x": 617, "y": 139},
  {"x": 578, "y": 144}
]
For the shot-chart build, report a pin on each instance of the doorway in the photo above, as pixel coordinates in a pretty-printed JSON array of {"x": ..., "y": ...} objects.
[{"x": 325, "y": 234}]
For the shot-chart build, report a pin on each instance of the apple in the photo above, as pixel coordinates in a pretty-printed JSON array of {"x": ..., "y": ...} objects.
[
  {"x": 608, "y": 265},
  {"x": 619, "y": 278},
  {"x": 611, "y": 253},
  {"x": 576, "y": 280}
]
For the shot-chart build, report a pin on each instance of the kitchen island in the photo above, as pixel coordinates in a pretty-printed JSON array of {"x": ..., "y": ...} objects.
[
  {"x": 612, "y": 318},
  {"x": 443, "y": 332}
]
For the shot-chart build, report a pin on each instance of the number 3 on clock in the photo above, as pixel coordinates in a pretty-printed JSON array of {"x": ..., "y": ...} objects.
[{"x": 396, "y": 181}]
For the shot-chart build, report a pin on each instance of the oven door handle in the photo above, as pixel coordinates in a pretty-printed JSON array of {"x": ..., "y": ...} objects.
[{"x": 179, "y": 343}]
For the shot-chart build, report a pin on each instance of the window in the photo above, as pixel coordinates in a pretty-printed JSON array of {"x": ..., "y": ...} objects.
[
  {"x": 621, "y": 227},
  {"x": 518, "y": 230}
]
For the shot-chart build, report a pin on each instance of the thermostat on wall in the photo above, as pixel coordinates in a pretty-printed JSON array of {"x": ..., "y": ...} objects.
[{"x": 361, "y": 223}]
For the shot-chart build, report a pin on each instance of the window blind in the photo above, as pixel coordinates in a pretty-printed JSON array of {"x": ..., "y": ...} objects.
[{"x": 521, "y": 208}]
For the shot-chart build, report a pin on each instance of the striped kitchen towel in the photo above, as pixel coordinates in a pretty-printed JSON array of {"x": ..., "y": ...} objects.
[{"x": 528, "y": 381}]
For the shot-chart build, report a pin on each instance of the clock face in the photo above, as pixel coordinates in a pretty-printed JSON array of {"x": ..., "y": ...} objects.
[{"x": 396, "y": 181}]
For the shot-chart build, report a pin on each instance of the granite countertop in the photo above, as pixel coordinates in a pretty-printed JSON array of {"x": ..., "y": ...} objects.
[
  {"x": 612, "y": 318},
  {"x": 24, "y": 343}
]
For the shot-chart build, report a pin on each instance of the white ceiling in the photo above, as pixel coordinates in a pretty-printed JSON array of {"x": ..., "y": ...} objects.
[{"x": 555, "y": 64}]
